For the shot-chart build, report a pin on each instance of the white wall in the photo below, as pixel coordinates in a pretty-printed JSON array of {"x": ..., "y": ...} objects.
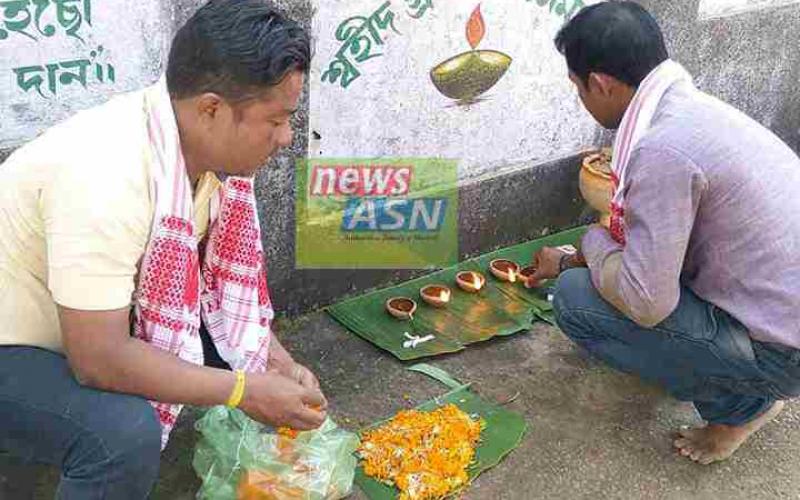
[
  {"x": 68, "y": 71},
  {"x": 710, "y": 9},
  {"x": 392, "y": 109}
]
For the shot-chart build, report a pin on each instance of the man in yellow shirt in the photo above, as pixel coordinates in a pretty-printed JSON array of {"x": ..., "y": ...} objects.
[{"x": 76, "y": 218}]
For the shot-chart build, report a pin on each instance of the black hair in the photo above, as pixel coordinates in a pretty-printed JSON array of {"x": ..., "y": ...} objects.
[
  {"x": 235, "y": 48},
  {"x": 620, "y": 39}
]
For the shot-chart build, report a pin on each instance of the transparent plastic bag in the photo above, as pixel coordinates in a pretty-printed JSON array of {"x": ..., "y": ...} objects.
[{"x": 239, "y": 459}]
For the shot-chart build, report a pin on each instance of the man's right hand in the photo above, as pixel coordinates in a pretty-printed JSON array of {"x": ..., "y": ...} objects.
[
  {"x": 547, "y": 263},
  {"x": 104, "y": 356},
  {"x": 272, "y": 399}
]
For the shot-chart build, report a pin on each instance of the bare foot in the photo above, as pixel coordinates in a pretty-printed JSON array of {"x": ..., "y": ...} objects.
[{"x": 717, "y": 442}]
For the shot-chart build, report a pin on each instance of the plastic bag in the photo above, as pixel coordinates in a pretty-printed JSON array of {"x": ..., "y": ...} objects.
[{"x": 239, "y": 459}]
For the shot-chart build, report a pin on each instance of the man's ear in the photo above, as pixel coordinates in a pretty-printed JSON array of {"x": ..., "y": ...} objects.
[
  {"x": 602, "y": 83},
  {"x": 208, "y": 105}
]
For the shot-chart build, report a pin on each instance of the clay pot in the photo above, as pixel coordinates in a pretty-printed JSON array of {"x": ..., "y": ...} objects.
[{"x": 596, "y": 185}]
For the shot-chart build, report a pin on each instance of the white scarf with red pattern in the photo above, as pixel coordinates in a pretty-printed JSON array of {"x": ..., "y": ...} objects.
[
  {"x": 634, "y": 125},
  {"x": 228, "y": 290}
]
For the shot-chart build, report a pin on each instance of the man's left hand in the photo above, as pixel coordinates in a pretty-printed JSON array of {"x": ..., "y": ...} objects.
[{"x": 304, "y": 376}]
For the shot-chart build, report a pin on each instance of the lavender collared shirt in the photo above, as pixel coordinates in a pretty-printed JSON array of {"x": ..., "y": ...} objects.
[{"x": 712, "y": 203}]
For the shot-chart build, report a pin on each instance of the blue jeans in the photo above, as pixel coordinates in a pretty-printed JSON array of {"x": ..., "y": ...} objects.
[
  {"x": 106, "y": 445},
  {"x": 699, "y": 353}
]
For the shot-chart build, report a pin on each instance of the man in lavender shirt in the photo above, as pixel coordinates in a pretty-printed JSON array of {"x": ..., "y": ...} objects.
[{"x": 704, "y": 297}]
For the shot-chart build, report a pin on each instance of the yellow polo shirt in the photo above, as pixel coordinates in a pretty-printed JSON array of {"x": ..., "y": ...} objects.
[{"x": 75, "y": 217}]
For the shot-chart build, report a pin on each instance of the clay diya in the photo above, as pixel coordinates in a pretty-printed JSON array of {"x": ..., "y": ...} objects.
[
  {"x": 504, "y": 269},
  {"x": 470, "y": 281},
  {"x": 401, "y": 308},
  {"x": 435, "y": 295},
  {"x": 525, "y": 274}
]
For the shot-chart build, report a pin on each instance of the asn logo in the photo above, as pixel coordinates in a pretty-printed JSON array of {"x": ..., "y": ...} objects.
[
  {"x": 386, "y": 214},
  {"x": 378, "y": 198}
]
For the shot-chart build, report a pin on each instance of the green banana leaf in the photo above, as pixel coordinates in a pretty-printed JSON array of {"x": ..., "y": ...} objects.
[
  {"x": 502, "y": 434},
  {"x": 500, "y": 309}
]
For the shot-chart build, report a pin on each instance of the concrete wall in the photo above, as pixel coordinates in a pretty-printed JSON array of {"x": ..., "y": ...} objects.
[
  {"x": 750, "y": 59},
  {"x": 389, "y": 104},
  {"x": 58, "y": 59},
  {"x": 710, "y": 9}
]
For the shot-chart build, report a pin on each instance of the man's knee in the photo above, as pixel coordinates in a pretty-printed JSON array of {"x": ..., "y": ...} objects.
[
  {"x": 574, "y": 296},
  {"x": 125, "y": 436},
  {"x": 137, "y": 439},
  {"x": 574, "y": 290},
  {"x": 117, "y": 454}
]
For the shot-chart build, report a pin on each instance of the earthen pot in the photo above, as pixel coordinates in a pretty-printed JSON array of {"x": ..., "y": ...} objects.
[{"x": 596, "y": 185}]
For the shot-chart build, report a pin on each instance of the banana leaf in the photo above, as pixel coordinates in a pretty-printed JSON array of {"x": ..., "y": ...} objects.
[
  {"x": 500, "y": 309},
  {"x": 502, "y": 434}
]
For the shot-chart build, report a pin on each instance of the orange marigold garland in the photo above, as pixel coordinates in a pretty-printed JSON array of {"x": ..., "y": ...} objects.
[
  {"x": 424, "y": 454},
  {"x": 288, "y": 432}
]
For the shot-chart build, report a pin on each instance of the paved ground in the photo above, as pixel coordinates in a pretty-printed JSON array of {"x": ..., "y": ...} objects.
[{"x": 593, "y": 433}]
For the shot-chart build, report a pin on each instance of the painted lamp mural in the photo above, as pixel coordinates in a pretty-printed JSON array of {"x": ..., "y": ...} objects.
[{"x": 467, "y": 76}]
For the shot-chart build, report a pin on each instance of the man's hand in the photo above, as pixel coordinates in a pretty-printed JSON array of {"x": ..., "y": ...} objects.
[
  {"x": 276, "y": 400},
  {"x": 304, "y": 377},
  {"x": 547, "y": 262},
  {"x": 281, "y": 361},
  {"x": 103, "y": 355}
]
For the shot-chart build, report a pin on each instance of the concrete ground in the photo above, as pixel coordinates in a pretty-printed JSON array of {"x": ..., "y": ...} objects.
[{"x": 594, "y": 433}]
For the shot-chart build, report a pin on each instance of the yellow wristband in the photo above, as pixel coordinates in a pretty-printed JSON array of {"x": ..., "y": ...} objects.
[{"x": 238, "y": 391}]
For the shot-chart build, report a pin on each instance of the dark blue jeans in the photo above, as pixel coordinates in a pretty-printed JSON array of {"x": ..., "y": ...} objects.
[
  {"x": 699, "y": 353},
  {"x": 106, "y": 445}
]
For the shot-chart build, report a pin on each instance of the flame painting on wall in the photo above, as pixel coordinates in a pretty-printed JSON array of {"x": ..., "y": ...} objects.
[{"x": 467, "y": 76}]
